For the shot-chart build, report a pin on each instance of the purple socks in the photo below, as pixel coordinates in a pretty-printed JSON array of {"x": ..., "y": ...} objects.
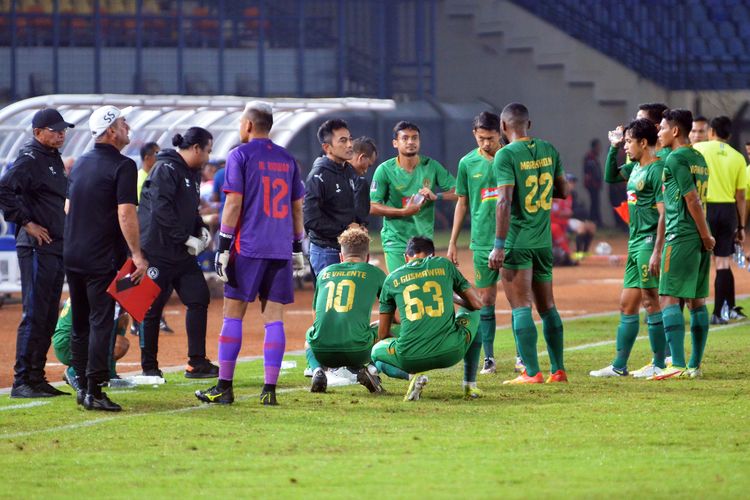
[
  {"x": 230, "y": 341},
  {"x": 273, "y": 351}
]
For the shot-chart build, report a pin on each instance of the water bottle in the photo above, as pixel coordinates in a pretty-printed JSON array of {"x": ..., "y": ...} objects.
[
  {"x": 725, "y": 311},
  {"x": 739, "y": 255}
]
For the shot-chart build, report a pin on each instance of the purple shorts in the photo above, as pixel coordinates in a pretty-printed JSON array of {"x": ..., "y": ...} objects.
[{"x": 271, "y": 279}]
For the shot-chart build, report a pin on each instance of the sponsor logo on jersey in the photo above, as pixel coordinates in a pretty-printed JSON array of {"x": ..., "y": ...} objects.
[
  {"x": 374, "y": 186},
  {"x": 489, "y": 194},
  {"x": 632, "y": 198}
]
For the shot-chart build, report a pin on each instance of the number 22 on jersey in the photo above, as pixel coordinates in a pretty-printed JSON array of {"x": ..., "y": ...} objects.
[{"x": 532, "y": 203}]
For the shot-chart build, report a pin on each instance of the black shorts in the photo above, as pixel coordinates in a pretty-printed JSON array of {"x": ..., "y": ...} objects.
[{"x": 722, "y": 220}]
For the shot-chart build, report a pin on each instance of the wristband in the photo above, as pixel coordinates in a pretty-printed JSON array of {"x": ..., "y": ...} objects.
[
  {"x": 297, "y": 246},
  {"x": 499, "y": 243},
  {"x": 299, "y": 236},
  {"x": 439, "y": 196},
  {"x": 226, "y": 230},
  {"x": 225, "y": 242}
]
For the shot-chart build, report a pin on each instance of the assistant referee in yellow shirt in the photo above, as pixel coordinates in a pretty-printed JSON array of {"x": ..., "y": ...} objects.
[{"x": 727, "y": 182}]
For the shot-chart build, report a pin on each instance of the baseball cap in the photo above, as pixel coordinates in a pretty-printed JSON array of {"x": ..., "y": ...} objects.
[
  {"x": 102, "y": 118},
  {"x": 50, "y": 118}
]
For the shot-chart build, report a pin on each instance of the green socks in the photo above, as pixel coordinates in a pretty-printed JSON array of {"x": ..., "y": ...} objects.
[
  {"x": 699, "y": 332},
  {"x": 674, "y": 328},
  {"x": 487, "y": 330},
  {"x": 391, "y": 370},
  {"x": 553, "y": 335},
  {"x": 627, "y": 331},
  {"x": 471, "y": 358},
  {"x": 526, "y": 335},
  {"x": 657, "y": 339},
  {"x": 312, "y": 362}
]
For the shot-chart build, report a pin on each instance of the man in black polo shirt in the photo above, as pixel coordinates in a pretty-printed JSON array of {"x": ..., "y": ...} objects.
[
  {"x": 100, "y": 228},
  {"x": 32, "y": 195}
]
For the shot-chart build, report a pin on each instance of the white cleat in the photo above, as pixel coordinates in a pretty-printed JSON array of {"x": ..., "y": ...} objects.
[
  {"x": 489, "y": 366},
  {"x": 609, "y": 371},
  {"x": 648, "y": 371},
  {"x": 414, "y": 392}
]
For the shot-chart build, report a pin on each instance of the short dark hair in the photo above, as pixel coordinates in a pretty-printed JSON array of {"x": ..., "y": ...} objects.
[
  {"x": 594, "y": 143},
  {"x": 654, "y": 111},
  {"x": 680, "y": 118},
  {"x": 722, "y": 126},
  {"x": 700, "y": 118},
  {"x": 193, "y": 136},
  {"x": 148, "y": 149},
  {"x": 325, "y": 131},
  {"x": 643, "y": 129},
  {"x": 487, "y": 121},
  {"x": 364, "y": 145},
  {"x": 260, "y": 119},
  {"x": 420, "y": 244},
  {"x": 404, "y": 125},
  {"x": 515, "y": 115}
]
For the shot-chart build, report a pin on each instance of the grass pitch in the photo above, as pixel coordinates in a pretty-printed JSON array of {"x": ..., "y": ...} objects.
[{"x": 589, "y": 438}]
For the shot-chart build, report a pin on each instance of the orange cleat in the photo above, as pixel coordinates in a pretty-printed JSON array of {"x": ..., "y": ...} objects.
[
  {"x": 558, "y": 376},
  {"x": 523, "y": 378}
]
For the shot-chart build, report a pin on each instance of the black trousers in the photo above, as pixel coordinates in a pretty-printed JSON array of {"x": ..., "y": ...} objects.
[
  {"x": 93, "y": 317},
  {"x": 594, "y": 210},
  {"x": 42, "y": 277},
  {"x": 187, "y": 279}
]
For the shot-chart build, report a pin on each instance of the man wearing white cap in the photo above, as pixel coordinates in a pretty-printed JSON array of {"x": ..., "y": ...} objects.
[{"x": 101, "y": 227}]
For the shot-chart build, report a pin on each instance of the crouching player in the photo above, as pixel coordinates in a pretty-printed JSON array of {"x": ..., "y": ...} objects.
[
  {"x": 341, "y": 334},
  {"x": 432, "y": 335}
]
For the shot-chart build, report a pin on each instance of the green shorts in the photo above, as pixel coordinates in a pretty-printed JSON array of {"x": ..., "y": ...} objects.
[
  {"x": 636, "y": 270},
  {"x": 448, "y": 353},
  {"x": 394, "y": 260},
  {"x": 344, "y": 355},
  {"x": 537, "y": 259},
  {"x": 685, "y": 270},
  {"x": 483, "y": 275}
]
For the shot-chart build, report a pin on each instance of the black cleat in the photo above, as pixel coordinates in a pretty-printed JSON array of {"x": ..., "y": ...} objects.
[
  {"x": 26, "y": 391},
  {"x": 319, "y": 381},
  {"x": 135, "y": 329},
  {"x": 215, "y": 395},
  {"x": 100, "y": 404},
  {"x": 268, "y": 398},
  {"x": 736, "y": 313},
  {"x": 368, "y": 377},
  {"x": 202, "y": 369},
  {"x": 69, "y": 377},
  {"x": 164, "y": 327},
  {"x": 44, "y": 386},
  {"x": 80, "y": 396}
]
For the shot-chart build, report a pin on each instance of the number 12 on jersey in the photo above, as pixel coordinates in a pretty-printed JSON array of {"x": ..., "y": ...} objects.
[{"x": 274, "y": 194}]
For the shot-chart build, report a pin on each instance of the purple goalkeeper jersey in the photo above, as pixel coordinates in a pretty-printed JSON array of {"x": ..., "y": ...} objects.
[{"x": 268, "y": 178}]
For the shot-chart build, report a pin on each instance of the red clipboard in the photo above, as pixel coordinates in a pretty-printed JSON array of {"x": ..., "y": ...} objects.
[{"x": 135, "y": 298}]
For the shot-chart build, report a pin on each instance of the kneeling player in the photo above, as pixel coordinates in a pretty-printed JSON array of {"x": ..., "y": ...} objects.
[
  {"x": 341, "y": 334},
  {"x": 432, "y": 335}
]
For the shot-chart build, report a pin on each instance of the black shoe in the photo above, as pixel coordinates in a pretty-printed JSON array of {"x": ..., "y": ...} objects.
[
  {"x": 154, "y": 372},
  {"x": 368, "y": 376},
  {"x": 718, "y": 320},
  {"x": 71, "y": 379},
  {"x": 736, "y": 313},
  {"x": 44, "y": 386},
  {"x": 214, "y": 395},
  {"x": 27, "y": 391},
  {"x": 101, "y": 404},
  {"x": 203, "y": 369},
  {"x": 319, "y": 381},
  {"x": 268, "y": 398},
  {"x": 135, "y": 329},
  {"x": 164, "y": 327},
  {"x": 80, "y": 396}
]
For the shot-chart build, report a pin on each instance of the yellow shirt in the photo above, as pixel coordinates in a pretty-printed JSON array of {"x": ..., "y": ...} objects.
[
  {"x": 726, "y": 171},
  {"x": 142, "y": 175}
]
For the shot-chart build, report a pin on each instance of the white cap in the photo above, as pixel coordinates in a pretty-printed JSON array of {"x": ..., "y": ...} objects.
[
  {"x": 262, "y": 106},
  {"x": 103, "y": 118}
]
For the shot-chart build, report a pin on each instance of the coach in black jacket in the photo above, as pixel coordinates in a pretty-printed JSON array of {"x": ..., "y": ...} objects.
[
  {"x": 329, "y": 206},
  {"x": 172, "y": 235},
  {"x": 32, "y": 196}
]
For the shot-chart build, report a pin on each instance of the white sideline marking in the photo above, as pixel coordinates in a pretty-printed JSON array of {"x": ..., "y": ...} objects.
[{"x": 24, "y": 405}]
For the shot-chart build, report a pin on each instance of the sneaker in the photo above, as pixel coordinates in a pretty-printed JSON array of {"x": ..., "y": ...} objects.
[
  {"x": 520, "y": 367},
  {"x": 26, "y": 391},
  {"x": 523, "y": 378},
  {"x": 268, "y": 398},
  {"x": 135, "y": 328},
  {"x": 668, "y": 361},
  {"x": 472, "y": 392},
  {"x": 693, "y": 373},
  {"x": 69, "y": 377},
  {"x": 718, "y": 320},
  {"x": 102, "y": 403},
  {"x": 368, "y": 377},
  {"x": 736, "y": 313},
  {"x": 489, "y": 366},
  {"x": 669, "y": 372},
  {"x": 647, "y": 371},
  {"x": 414, "y": 392},
  {"x": 308, "y": 372},
  {"x": 558, "y": 377},
  {"x": 164, "y": 327},
  {"x": 155, "y": 372},
  {"x": 214, "y": 395},
  {"x": 319, "y": 381},
  {"x": 44, "y": 386},
  {"x": 203, "y": 369},
  {"x": 609, "y": 371}
]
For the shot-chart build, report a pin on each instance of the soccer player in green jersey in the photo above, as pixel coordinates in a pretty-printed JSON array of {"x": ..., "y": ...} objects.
[
  {"x": 528, "y": 172},
  {"x": 645, "y": 243},
  {"x": 686, "y": 259},
  {"x": 341, "y": 334},
  {"x": 432, "y": 335},
  {"x": 476, "y": 189},
  {"x": 404, "y": 192}
]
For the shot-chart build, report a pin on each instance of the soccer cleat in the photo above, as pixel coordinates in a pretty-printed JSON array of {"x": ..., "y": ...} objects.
[
  {"x": 523, "y": 378},
  {"x": 44, "y": 386},
  {"x": 216, "y": 395},
  {"x": 668, "y": 361},
  {"x": 414, "y": 392},
  {"x": 69, "y": 377},
  {"x": 308, "y": 372},
  {"x": 368, "y": 377},
  {"x": 669, "y": 372},
  {"x": 472, "y": 392},
  {"x": 489, "y": 366},
  {"x": 319, "y": 381},
  {"x": 202, "y": 369},
  {"x": 718, "y": 320},
  {"x": 557, "y": 377},
  {"x": 609, "y": 371},
  {"x": 693, "y": 373},
  {"x": 102, "y": 403},
  {"x": 520, "y": 367},
  {"x": 268, "y": 398},
  {"x": 647, "y": 371},
  {"x": 80, "y": 396},
  {"x": 736, "y": 313},
  {"x": 154, "y": 372}
]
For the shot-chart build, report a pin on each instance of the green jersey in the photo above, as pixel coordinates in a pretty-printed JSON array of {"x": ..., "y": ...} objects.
[
  {"x": 663, "y": 153},
  {"x": 422, "y": 291},
  {"x": 476, "y": 180},
  {"x": 684, "y": 171},
  {"x": 644, "y": 192},
  {"x": 530, "y": 166},
  {"x": 393, "y": 186},
  {"x": 343, "y": 300}
]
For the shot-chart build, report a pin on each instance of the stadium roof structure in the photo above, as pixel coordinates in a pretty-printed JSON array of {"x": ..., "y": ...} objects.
[{"x": 158, "y": 118}]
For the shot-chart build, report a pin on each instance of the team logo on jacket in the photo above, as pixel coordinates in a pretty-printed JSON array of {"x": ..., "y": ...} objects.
[
  {"x": 52, "y": 170},
  {"x": 187, "y": 183},
  {"x": 153, "y": 273}
]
